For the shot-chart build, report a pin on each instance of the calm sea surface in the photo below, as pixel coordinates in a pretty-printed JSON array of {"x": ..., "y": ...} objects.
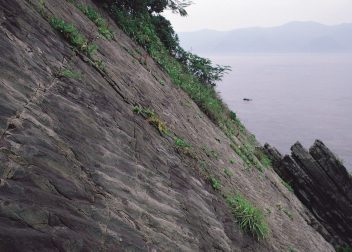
[{"x": 296, "y": 97}]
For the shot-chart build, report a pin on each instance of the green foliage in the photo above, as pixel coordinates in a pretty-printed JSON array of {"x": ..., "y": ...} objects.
[
  {"x": 153, "y": 6},
  {"x": 99, "y": 64},
  {"x": 287, "y": 185},
  {"x": 246, "y": 153},
  {"x": 344, "y": 248},
  {"x": 232, "y": 161},
  {"x": 70, "y": 74},
  {"x": 291, "y": 249},
  {"x": 228, "y": 172},
  {"x": 288, "y": 213},
  {"x": 250, "y": 219},
  {"x": 166, "y": 33},
  {"x": 100, "y": 22},
  {"x": 152, "y": 118},
  {"x": 262, "y": 157},
  {"x": 215, "y": 183},
  {"x": 232, "y": 115},
  {"x": 266, "y": 161},
  {"x": 180, "y": 143},
  {"x": 340, "y": 161},
  {"x": 42, "y": 7},
  {"x": 210, "y": 153},
  {"x": 72, "y": 35},
  {"x": 182, "y": 70},
  {"x": 183, "y": 147},
  {"x": 201, "y": 68}
]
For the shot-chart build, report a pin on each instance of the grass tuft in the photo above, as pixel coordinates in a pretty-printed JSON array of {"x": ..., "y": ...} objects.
[
  {"x": 70, "y": 74},
  {"x": 215, "y": 183}
]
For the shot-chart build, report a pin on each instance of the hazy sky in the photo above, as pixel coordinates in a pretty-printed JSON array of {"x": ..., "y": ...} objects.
[{"x": 232, "y": 14}]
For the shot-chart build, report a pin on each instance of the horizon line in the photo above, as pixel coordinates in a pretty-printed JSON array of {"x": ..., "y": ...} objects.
[{"x": 265, "y": 27}]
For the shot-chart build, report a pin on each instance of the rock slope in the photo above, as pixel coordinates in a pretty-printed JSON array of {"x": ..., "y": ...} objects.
[
  {"x": 323, "y": 184},
  {"x": 79, "y": 171}
]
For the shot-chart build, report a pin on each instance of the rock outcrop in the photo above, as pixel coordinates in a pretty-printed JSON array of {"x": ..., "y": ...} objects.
[
  {"x": 323, "y": 185},
  {"x": 80, "y": 171}
]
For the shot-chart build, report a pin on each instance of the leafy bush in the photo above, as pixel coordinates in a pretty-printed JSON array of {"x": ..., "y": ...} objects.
[
  {"x": 166, "y": 33},
  {"x": 153, "y": 6},
  {"x": 250, "y": 219}
]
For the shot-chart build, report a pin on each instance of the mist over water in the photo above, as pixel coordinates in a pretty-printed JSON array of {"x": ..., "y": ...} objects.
[{"x": 296, "y": 97}]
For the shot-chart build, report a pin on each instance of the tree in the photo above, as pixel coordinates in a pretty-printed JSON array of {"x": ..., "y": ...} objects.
[
  {"x": 153, "y": 6},
  {"x": 179, "y": 6}
]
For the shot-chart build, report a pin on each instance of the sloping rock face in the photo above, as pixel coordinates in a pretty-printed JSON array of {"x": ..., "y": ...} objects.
[
  {"x": 79, "y": 171},
  {"x": 323, "y": 184}
]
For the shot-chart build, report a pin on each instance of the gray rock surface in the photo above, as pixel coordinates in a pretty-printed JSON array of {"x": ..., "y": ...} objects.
[
  {"x": 79, "y": 171},
  {"x": 323, "y": 184}
]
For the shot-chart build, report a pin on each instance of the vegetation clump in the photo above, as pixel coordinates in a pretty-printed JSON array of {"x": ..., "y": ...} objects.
[
  {"x": 97, "y": 19},
  {"x": 228, "y": 172},
  {"x": 76, "y": 39},
  {"x": 250, "y": 218},
  {"x": 246, "y": 153},
  {"x": 213, "y": 154},
  {"x": 70, "y": 74},
  {"x": 215, "y": 183},
  {"x": 345, "y": 248},
  {"x": 287, "y": 185},
  {"x": 195, "y": 75},
  {"x": 152, "y": 118},
  {"x": 183, "y": 147}
]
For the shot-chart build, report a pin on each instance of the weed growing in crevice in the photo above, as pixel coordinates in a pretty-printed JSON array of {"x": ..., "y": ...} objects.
[
  {"x": 98, "y": 20},
  {"x": 215, "y": 183},
  {"x": 68, "y": 73},
  {"x": 228, "y": 172},
  {"x": 285, "y": 211},
  {"x": 247, "y": 155},
  {"x": 213, "y": 154},
  {"x": 152, "y": 118},
  {"x": 262, "y": 157},
  {"x": 288, "y": 213},
  {"x": 180, "y": 144},
  {"x": 287, "y": 185},
  {"x": 250, "y": 218},
  {"x": 292, "y": 249}
]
